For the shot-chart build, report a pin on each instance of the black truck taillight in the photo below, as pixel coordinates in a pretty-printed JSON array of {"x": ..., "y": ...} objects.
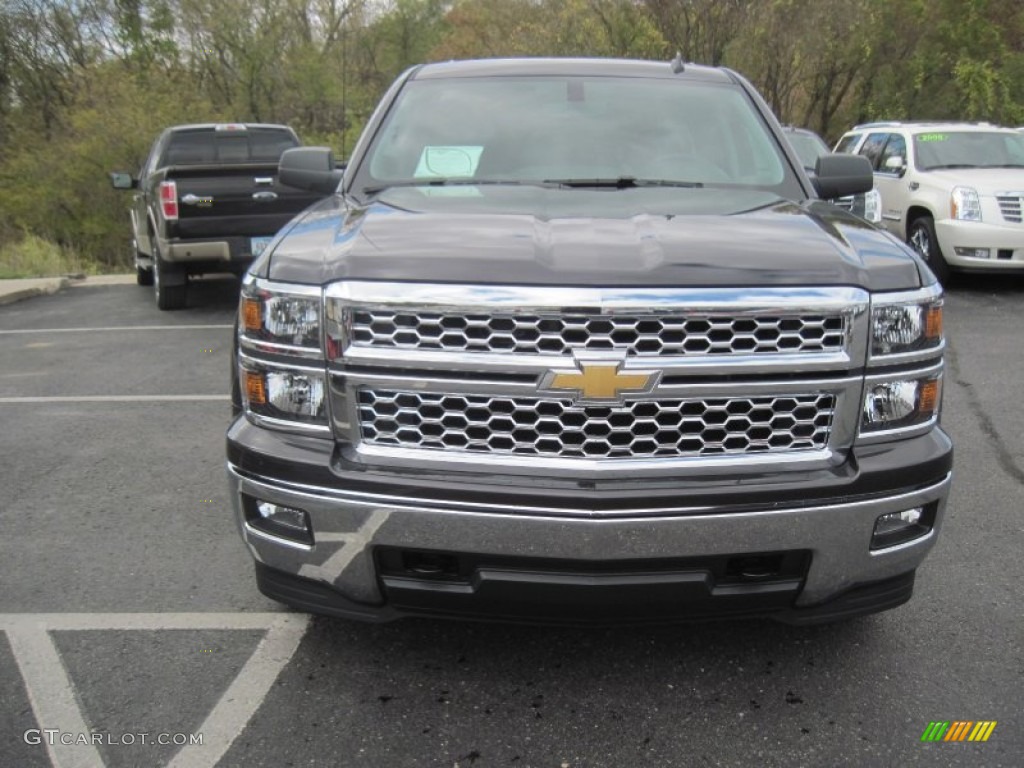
[{"x": 169, "y": 199}]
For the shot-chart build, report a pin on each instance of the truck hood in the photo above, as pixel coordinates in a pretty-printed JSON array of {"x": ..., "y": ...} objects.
[{"x": 609, "y": 237}]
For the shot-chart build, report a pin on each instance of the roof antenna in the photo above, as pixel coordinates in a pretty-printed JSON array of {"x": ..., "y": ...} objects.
[{"x": 677, "y": 63}]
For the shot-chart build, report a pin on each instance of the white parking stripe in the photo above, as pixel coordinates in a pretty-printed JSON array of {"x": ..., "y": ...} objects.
[
  {"x": 115, "y": 399},
  {"x": 126, "y": 621},
  {"x": 244, "y": 696},
  {"x": 105, "y": 329},
  {"x": 51, "y": 693}
]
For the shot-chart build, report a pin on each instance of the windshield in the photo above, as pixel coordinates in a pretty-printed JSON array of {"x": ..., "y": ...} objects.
[
  {"x": 808, "y": 148},
  {"x": 575, "y": 130},
  {"x": 968, "y": 149}
]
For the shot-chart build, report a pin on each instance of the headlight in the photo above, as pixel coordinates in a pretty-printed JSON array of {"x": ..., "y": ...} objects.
[
  {"x": 900, "y": 402},
  {"x": 284, "y": 319},
  {"x": 906, "y": 345},
  {"x": 873, "y": 206},
  {"x": 284, "y": 393},
  {"x": 281, "y": 369},
  {"x": 964, "y": 204},
  {"x": 899, "y": 326}
]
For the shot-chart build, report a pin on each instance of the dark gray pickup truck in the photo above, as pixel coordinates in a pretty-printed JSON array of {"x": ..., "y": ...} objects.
[
  {"x": 208, "y": 200},
  {"x": 581, "y": 341}
]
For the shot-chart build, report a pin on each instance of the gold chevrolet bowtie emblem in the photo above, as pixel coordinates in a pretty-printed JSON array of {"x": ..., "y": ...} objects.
[{"x": 599, "y": 381}]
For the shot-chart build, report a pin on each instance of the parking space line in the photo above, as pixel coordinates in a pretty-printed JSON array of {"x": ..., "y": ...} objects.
[
  {"x": 115, "y": 399},
  {"x": 51, "y": 694},
  {"x": 109, "y": 328},
  {"x": 127, "y": 621},
  {"x": 243, "y": 697}
]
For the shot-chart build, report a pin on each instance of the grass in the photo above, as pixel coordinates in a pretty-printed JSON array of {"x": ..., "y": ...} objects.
[{"x": 35, "y": 257}]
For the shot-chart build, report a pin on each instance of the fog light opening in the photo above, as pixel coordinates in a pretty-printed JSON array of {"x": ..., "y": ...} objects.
[
  {"x": 900, "y": 527},
  {"x": 279, "y": 520},
  {"x": 973, "y": 253}
]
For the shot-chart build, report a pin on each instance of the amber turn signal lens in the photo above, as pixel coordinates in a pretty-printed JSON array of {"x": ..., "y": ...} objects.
[
  {"x": 255, "y": 389},
  {"x": 933, "y": 322},
  {"x": 928, "y": 396},
  {"x": 252, "y": 314}
]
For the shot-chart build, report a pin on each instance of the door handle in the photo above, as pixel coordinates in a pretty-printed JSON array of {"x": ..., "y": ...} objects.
[{"x": 265, "y": 196}]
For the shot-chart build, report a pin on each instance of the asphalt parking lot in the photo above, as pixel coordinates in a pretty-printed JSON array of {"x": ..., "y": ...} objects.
[{"x": 128, "y": 605}]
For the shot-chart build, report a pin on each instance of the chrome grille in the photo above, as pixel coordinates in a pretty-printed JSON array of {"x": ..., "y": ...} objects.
[
  {"x": 635, "y": 334},
  {"x": 1010, "y": 206},
  {"x": 558, "y": 428}
]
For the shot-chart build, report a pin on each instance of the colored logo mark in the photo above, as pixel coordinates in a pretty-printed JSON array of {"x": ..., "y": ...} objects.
[{"x": 958, "y": 730}]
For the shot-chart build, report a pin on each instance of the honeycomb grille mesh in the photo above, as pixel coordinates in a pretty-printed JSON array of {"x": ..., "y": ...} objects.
[
  {"x": 636, "y": 335},
  {"x": 558, "y": 428}
]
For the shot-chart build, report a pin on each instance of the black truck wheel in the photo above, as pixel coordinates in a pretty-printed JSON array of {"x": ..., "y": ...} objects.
[{"x": 168, "y": 296}]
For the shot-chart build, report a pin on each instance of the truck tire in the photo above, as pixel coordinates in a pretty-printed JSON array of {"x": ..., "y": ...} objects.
[
  {"x": 921, "y": 237},
  {"x": 167, "y": 296}
]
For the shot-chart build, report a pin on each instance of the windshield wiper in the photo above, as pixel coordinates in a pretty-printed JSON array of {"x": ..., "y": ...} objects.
[
  {"x": 374, "y": 190},
  {"x": 1003, "y": 165},
  {"x": 621, "y": 182},
  {"x": 948, "y": 166}
]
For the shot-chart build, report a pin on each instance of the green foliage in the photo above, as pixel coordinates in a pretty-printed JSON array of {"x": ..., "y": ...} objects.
[
  {"x": 85, "y": 85},
  {"x": 33, "y": 256}
]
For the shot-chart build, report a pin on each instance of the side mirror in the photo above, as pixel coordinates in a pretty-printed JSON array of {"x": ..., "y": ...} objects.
[
  {"x": 311, "y": 168},
  {"x": 121, "y": 180},
  {"x": 895, "y": 165},
  {"x": 839, "y": 175}
]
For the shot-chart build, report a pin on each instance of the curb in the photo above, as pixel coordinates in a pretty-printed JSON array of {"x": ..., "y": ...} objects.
[
  {"x": 99, "y": 281},
  {"x": 42, "y": 288}
]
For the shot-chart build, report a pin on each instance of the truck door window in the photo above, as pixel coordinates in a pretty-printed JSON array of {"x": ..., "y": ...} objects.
[
  {"x": 895, "y": 147},
  {"x": 873, "y": 146}
]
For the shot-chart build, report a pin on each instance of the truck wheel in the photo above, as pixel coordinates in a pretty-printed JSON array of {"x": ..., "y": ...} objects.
[
  {"x": 921, "y": 237},
  {"x": 167, "y": 296}
]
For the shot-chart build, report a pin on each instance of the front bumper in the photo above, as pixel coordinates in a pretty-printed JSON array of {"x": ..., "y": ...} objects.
[
  {"x": 1004, "y": 242},
  {"x": 663, "y": 564}
]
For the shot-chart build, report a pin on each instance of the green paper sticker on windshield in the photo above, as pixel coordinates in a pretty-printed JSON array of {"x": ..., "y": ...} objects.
[
  {"x": 932, "y": 136},
  {"x": 448, "y": 162}
]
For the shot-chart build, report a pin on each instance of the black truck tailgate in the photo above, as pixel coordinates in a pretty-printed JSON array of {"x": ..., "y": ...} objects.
[{"x": 234, "y": 200}]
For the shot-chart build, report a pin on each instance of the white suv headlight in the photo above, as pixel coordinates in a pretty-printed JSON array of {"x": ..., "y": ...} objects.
[
  {"x": 964, "y": 204},
  {"x": 873, "y": 205}
]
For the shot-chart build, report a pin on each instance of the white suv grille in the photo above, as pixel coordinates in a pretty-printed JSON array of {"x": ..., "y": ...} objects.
[{"x": 1010, "y": 206}]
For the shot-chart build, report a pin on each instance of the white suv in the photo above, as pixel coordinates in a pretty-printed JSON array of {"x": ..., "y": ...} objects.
[{"x": 953, "y": 191}]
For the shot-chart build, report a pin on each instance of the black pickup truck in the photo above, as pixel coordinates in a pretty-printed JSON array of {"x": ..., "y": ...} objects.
[
  {"x": 581, "y": 341},
  {"x": 208, "y": 200}
]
